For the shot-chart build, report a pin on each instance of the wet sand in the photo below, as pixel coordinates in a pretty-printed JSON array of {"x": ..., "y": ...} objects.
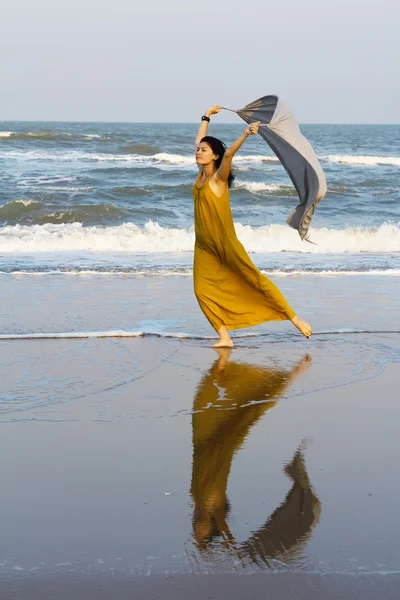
[
  {"x": 290, "y": 586},
  {"x": 157, "y": 468}
]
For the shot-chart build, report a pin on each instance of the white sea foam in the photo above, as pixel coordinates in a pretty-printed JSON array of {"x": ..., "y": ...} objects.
[
  {"x": 189, "y": 273},
  {"x": 104, "y": 334},
  {"x": 256, "y": 158},
  {"x": 40, "y": 155},
  {"x": 44, "y": 134},
  {"x": 162, "y": 334},
  {"x": 362, "y": 160},
  {"x": 280, "y": 238},
  {"x": 50, "y": 188},
  {"x": 177, "y": 159},
  {"x": 334, "y": 273},
  {"x": 70, "y": 335},
  {"x": 174, "y": 159},
  {"x": 181, "y": 160},
  {"x": 255, "y": 187},
  {"x": 123, "y": 238},
  {"x": 159, "y": 159},
  {"x": 154, "y": 238},
  {"x": 162, "y": 160}
]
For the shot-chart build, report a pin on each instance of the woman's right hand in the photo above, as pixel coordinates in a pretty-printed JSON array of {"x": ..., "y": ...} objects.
[
  {"x": 252, "y": 129},
  {"x": 213, "y": 110}
]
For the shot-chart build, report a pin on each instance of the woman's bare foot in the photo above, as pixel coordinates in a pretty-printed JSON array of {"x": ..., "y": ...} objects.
[
  {"x": 224, "y": 338},
  {"x": 302, "y": 326},
  {"x": 224, "y": 343}
]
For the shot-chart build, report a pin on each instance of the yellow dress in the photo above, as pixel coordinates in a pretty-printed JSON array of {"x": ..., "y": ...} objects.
[{"x": 231, "y": 291}]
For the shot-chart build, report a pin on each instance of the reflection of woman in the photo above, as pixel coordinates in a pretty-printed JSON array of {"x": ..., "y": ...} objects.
[
  {"x": 231, "y": 292},
  {"x": 220, "y": 426}
]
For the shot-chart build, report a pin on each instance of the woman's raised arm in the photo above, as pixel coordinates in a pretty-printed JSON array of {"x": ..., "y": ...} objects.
[
  {"x": 202, "y": 132},
  {"x": 224, "y": 169}
]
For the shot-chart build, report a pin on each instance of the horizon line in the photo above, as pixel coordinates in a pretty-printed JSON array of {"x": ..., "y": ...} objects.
[{"x": 173, "y": 122}]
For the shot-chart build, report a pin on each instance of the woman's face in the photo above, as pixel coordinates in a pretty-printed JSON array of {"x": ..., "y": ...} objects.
[{"x": 204, "y": 154}]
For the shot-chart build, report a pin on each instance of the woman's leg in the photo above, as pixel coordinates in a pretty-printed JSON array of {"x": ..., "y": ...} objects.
[
  {"x": 224, "y": 338},
  {"x": 302, "y": 326}
]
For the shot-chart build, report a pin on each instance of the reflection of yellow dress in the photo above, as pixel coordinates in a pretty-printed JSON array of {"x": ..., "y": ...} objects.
[
  {"x": 227, "y": 405},
  {"x": 220, "y": 425},
  {"x": 231, "y": 291}
]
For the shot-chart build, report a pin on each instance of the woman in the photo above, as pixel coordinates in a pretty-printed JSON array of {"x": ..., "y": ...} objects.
[{"x": 231, "y": 292}]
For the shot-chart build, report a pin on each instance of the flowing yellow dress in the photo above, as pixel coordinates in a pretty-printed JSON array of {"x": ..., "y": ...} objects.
[{"x": 231, "y": 291}]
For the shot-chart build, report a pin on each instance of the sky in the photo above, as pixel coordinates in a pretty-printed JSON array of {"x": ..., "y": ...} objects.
[{"x": 168, "y": 60}]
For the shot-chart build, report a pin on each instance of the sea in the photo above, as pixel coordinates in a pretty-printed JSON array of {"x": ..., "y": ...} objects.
[{"x": 116, "y": 198}]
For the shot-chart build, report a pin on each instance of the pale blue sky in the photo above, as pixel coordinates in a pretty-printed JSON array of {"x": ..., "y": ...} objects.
[{"x": 155, "y": 60}]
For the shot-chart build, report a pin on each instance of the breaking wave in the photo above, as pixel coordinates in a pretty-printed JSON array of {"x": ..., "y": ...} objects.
[
  {"x": 40, "y": 213},
  {"x": 143, "y": 158},
  {"x": 153, "y": 238},
  {"x": 48, "y": 136},
  {"x": 255, "y": 187},
  {"x": 188, "y": 272},
  {"x": 372, "y": 161},
  {"x": 147, "y": 155},
  {"x": 71, "y": 335}
]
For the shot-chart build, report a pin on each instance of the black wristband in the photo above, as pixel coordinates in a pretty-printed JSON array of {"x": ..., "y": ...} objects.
[{"x": 204, "y": 118}]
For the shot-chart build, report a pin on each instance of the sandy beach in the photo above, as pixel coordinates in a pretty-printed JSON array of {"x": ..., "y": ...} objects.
[{"x": 153, "y": 467}]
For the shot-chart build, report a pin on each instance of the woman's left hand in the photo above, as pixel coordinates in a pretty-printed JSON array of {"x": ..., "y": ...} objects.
[
  {"x": 213, "y": 110},
  {"x": 253, "y": 128}
]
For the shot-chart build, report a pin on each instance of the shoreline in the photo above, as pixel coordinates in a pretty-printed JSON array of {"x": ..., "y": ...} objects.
[{"x": 235, "y": 587}]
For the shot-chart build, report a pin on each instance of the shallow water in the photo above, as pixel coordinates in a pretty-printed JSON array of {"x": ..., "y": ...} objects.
[{"x": 151, "y": 456}]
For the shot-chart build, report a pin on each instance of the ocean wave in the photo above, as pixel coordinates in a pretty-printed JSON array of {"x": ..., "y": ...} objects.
[
  {"x": 152, "y": 238},
  {"x": 49, "y": 136},
  {"x": 255, "y": 187},
  {"x": 174, "y": 159},
  {"x": 118, "y": 333},
  {"x": 33, "y": 212},
  {"x": 129, "y": 191},
  {"x": 16, "y": 208},
  {"x": 150, "y": 155},
  {"x": 160, "y": 159},
  {"x": 144, "y": 149},
  {"x": 188, "y": 272},
  {"x": 52, "y": 137},
  {"x": 372, "y": 161},
  {"x": 18, "y": 202},
  {"x": 256, "y": 158},
  {"x": 71, "y": 335},
  {"x": 55, "y": 188},
  {"x": 179, "y": 159},
  {"x": 342, "y": 189}
]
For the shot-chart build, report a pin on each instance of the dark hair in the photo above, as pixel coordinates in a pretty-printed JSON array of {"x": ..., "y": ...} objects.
[{"x": 219, "y": 148}]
